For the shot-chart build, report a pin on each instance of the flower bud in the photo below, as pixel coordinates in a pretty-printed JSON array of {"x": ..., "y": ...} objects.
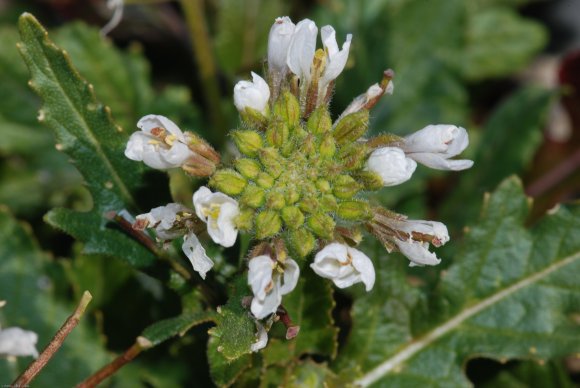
[
  {"x": 277, "y": 133},
  {"x": 292, "y": 194},
  {"x": 328, "y": 203},
  {"x": 301, "y": 241},
  {"x": 370, "y": 180},
  {"x": 271, "y": 159},
  {"x": 275, "y": 200},
  {"x": 268, "y": 223},
  {"x": 245, "y": 220},
  {"x": 392, "y": 165},
  {"x": 253, "y": 95},
  {"x": 327, "y": 147},
  {"x": 301, "y": 49},
  {"x": 287, "y": 108},
  {"x": 353, "y": 155},
  {"x": 319, "y": 121},
  {"x": 265, "y": 180},
  {"x": 278, "y": 43},
  {"x": 228, "y": 181},
  {"x": 345, "y": 187},
  {"x": 293, "y": 217},
  {"x": 351, "y": 127},
  {"x": 253, "y": 196},
  {"x": 248, "y": 142},
  {"x": 354, "y": 210},
  {"x": 308, "y": 205},
  {"x": 249, "y": 168},
  {"x": 322, "y": 225},
  {"x": 323, "y": 185}
]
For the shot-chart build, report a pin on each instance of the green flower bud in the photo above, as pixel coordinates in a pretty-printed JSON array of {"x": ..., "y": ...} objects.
[
  {"x": 228, "y": 182},
  {"x": 253, "y": 196},
  {"x": 277, "y": 133},
  {"x": 371, "y": 180},
  {"x": 319, "y": 121},
  {"x": 308, "y": 205},
  {"x": 353, "y": 155},
  {"x": 268, "y": 223},
  {"x": 249, "y": 168},
  {"x": 275, "y": 200},
  {"x": 308, "y": 145},
  {"x": 323, "y": 185},
  {"x": 351, "y": 127},
  {"x": 245, "y": 220},
  {"x": 345, "y": 187},
  {"x": 293, "y": 217},
  {"x": 254, "y": 118},
  {"x": 322, "y": 225},
  {"x": 354, "y": 210},
  {"x": 264, "y": 180},
  {"x": 327, "y": 147},
  {"x": 328, "y": 203},
  {"x": 301, "y": 241},
  {"x": 272, "y": 161},
  {"x": 248, "y": 142},
  {"x": 287, "y": 108},
  {"x": 292, "y": 194}
]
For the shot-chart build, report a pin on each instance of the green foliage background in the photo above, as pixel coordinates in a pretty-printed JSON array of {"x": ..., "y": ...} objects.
[{"x": 507, "y": 289}]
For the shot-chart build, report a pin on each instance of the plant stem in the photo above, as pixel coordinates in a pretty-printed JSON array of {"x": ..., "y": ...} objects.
[
  {"x": 33, "y": 369},
  {"x": 141, "y": 344},
  {"x": 203, "y": 52}
]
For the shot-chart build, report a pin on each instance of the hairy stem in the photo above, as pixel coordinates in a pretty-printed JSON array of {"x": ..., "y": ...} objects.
[
  {"x": 141, "y": 344},
  {"x": 33, "y": 369}
]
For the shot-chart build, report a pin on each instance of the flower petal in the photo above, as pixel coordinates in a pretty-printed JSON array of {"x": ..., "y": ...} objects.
[
  {"x": 364, "y": 266},
  {"x": 439, "y": 162},
  {"x": 15, "y": 341},
  {"x": 392, "y": 165},
  {"x": 290, "y": 277},
  {"x": 196, "y": 254},
  {"x": 301, "y": 49},
  {"x": 262, "y": 340},
  {"x": 417, "y": 252},
  {"x": 260, "y": 275}
]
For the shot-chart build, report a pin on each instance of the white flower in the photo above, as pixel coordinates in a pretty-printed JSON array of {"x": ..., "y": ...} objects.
[
  {"x": 437, "y": 231},
  {"x": 262, "y": 339},
  {"x": 336, "y": 59},
  {"x": 302, "y": 48},
  {"x": 393, "y": 166},
  {"x": 278, "y": 43},
  {"x": 196, "y": 254},
  {"x": 17, "y": 342},
  {"x": 160, "y": 144},
  {"x": 163, "y": 219},
  {"x": 252, "y": 94},
  {"x": 344, "y": 265},
  {"x": 434, "y": 145},
  {"x": 268, "y": 285},
  {"x": 417, "y": 252},
  {"x": 219, "y": 212}
]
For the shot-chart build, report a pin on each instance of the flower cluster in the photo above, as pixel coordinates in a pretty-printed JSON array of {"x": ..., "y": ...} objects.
[{"x": 299, "y": 186}]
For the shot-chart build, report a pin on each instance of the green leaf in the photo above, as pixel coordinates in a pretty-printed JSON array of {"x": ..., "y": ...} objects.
[
  {"x": 86, "y": 132},
  {"x": 223, "y": 372},
  {"x": 511, "y": 293},
  {"x": 532, "y": 374},
  {"x": 31, "y": 305},
  {"x": 168, "y": 328},
  {"x": 499, "y": 42},
  {"x": 515, "y": 129},
  {"x": 235, "y": 329}
]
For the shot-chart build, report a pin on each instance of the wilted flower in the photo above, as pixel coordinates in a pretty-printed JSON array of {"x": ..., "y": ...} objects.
[
  {"x": 270, "y": 280},
  {"x": 393, "y": 166},
  {"x": 434, "y": 145},
  {"x": 252, "y": 94},
  {"x": 195, "y": 252},
  {"x": 219, "y": 212},
  {"x": 165, "y": 220},
  {"x": 344, "y": 265},
  {"x": 15, "y": 341},
  {"x": 160, "y": 144}
]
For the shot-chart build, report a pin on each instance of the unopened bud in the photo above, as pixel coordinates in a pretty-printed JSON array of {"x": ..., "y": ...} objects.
[
  {"x": 275, "y": 200},
  {"x": 354, "y": 210},
  {"x": 370, "y": 180},
  {"x": 354, "y": 155},
  {"x": 351, "y": 127},
  {"x": 327, "y": 147},
  {"x": 308, "y": 205},
  {"x": 277, "y": 133},
  {"x": 287, "y": 108},
  {"x": 254, "y": 118},
  {"x": 248, "y": 142},
  {"x": 268, "y": 223},
  {"x": 249, "y": 168},
  {"x": 301, "y": 241},
  {"x": 385, "y": 140},
  {"x": 345, "y": 187},
  {"x": 228, "y": 182},
  {"x": 265, "y": 180},
  {"x": 328, "y": 203},
  {"x": 323, "y": 185},
  {"x": 322, "y": 225},
  {"x": 319, "y": 121},
  {"x": 245, "y": 220},
  {"x": 253, "y": 196},
  {"x": 271, "y": 159},
  {"x": 292, "y": 194},
  {"x": 293, "y": 217}
]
